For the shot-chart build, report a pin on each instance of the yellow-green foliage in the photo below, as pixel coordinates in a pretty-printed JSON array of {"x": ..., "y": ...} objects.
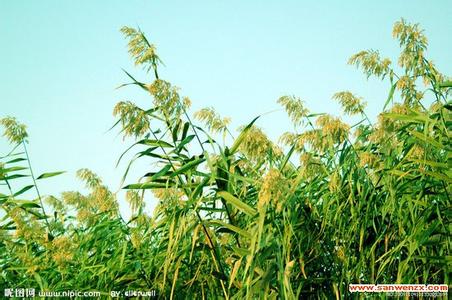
[{"x": 333, "y": 204}]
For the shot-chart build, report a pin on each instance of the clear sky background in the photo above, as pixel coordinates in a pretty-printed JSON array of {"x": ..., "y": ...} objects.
[{"x": 60, "y": 62}]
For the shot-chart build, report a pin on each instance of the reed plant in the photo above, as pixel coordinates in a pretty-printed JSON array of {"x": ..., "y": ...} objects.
[{"x": 240, "y": 216}]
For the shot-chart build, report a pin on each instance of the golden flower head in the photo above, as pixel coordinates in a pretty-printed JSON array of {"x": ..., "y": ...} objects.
[
  {"x": 212, "y": 120},
  {"x": 417, "y": 152},
  {"x": 167, "y": 98},
  {"x": 436, "y": 106},
  {"x": 340, "y": 251},
  {"x": 256, "y": 145},
  {"x": 400, "y": 109},
  {"x": 186, "y": 102},
  {"x": 367, "y": 159},
  {"x": 90, "y": 178},
  {"x": 140, "y": 49},
  {"x": 32, "y": 269},
  {"x": 351, "y": 104},
  {"x": 135, "y": 121},
  {"x": 74, "y": 199},
  {"x": 334, "y": 183},
  {"x": 27, "y": 227},
  {"x": 405, "y": 82},
  {"x": 333, "y": 127},
  {"x": 62, "y": 248},
  {"x": 310, "y": 165},
  {"x": 295, "y": 108},
  {"x": 273, "y": 190},
  {"x": 409, "y": 35},
  {"x": 134, "y": 199},
  {"x": 170, "y": 198},
  {"x": 84, "y": 215},
  {"x": 413, "y": 43},
  {"x": 136, "y": 238},
  {"x": 292, "y": 139},
  {"x": 57, "y": 204},
  {"x": 371, "y": 63},
  {"x": 14, "y": 131},
  {"x": 103, "y": 200}
]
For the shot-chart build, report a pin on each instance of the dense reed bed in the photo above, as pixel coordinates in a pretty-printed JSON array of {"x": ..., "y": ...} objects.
[{"x": 241, "y": 216}]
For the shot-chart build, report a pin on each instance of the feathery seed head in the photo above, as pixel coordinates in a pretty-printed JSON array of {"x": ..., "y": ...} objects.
[
  {"x": 409, "y": 35},
  {"x": 212, "y": 120},
  {"x": 405, "y": 82},
  {"x": 169, "y": 197},
  {"x": 136, "y": 238},
  {"x": 73, "y": 199},
  {"x": 103, "y": 200},
  {"x": 413, "y": 43},
  {"x": 56, "y": 203},
  {"x": 417, "y": 152},
  {"x": 310, "y": 165},
  {"x": 313, "y": 138},
  {"x": 14, "y": 131},
  {"x": 256, "y": 145},
  {"x": 333, "y": 127},
  {"x": 84, "y": 215},
  {"x": 334, "y": 183},
  {"x": 295, "y": 108},
  {"x": 367, "y": 159},
  {"x": 134, "y": 199},
  {"x": 135, "y": 122},
  {"x": 397, "y": 108},
  {"x": 186, "y": 102},
  {"x": 62, "y": 247},
  {"x": 167, "y": 98},
  {"x": 371, "y": 63},
  {"x": 273, "y": 190},
  {"x": 140, "y": 49},
  {"x": 91, "y": 179},
  {"x": 291, "y": 139},
  {"x": 351, "y": 104}
]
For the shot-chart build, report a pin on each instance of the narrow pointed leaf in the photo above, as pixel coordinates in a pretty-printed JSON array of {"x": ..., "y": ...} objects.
[
  {"x": 47, "y": 175},
  {"x": 236, "y": 202}
]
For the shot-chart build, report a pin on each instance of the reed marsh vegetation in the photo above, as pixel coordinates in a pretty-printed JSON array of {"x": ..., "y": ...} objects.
[{"x": 241, "y": 216}]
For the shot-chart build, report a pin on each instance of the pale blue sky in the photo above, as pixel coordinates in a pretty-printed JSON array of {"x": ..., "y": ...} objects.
[{"x": 61, "y": 61}]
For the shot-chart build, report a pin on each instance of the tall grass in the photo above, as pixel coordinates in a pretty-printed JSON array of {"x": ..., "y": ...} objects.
[{"x": 327, "y": 205}]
